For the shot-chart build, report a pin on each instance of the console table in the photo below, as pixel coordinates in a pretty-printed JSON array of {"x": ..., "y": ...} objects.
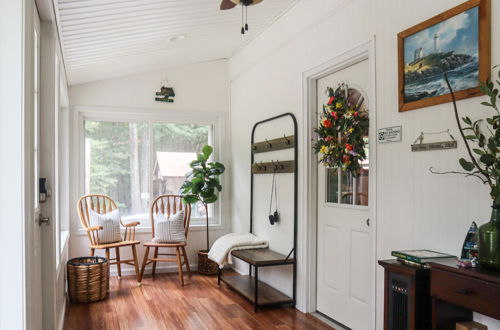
[{"x": 457, "y": 292}]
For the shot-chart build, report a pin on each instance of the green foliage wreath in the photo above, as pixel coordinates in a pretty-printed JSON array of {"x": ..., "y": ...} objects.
[{"x": 342, "y": 130}]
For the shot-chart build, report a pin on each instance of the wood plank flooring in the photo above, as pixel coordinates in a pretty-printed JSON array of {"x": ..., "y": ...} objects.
[{"x": 161, "y": 303}]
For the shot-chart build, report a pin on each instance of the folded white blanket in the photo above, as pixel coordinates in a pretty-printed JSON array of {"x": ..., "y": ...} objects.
[{"x": 222, "y": 248}]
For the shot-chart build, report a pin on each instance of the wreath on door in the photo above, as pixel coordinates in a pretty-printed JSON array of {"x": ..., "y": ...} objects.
[{"x": 342, "y": 130}]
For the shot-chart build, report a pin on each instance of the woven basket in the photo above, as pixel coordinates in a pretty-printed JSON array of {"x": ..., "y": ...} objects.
[
  {"x": 205, "y": 265},
  {"x": 88, "y": 279}
]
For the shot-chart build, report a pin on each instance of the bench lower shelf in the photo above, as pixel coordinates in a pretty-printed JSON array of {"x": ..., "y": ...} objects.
[{"x": 266, "y": 295}]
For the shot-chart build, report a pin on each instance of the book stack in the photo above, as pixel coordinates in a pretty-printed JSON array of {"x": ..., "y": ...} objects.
[{"x": 420, "y": 258}]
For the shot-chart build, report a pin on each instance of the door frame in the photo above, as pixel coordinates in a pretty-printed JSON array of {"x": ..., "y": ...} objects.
[{"x": 308, "y": 229}]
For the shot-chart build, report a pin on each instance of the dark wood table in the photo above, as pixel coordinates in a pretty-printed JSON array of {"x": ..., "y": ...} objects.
[
  {"x": 458, "y": 292},
  {"x": 259, "y": 293}
]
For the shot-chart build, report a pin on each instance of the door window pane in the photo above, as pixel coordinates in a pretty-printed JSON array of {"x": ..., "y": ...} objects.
[
  {"x": 117, "y": 165},
  {"x": 346, "y": 188},
  {"x": 362, "y": 181},
  {"x": 332, "y": 185},
  {"x": 175, "y": 146}
]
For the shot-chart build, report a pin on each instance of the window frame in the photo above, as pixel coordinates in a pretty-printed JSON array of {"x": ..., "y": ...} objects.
[{"x": 216, "y": 120}]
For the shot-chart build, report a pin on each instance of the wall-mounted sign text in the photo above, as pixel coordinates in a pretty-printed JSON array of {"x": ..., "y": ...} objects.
[{"x": 390, "y": 134}]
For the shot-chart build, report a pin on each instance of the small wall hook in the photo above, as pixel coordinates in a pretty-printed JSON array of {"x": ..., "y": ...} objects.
[
  {"x": 269, "y": 145},
  {"x": 287, "y": 141}
]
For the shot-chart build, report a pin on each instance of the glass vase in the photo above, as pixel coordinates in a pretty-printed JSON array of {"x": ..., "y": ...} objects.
[{"x": 489, "y": 241}]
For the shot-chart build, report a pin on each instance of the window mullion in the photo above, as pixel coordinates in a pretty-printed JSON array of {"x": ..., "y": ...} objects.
[{"x": 151, "y": 163}]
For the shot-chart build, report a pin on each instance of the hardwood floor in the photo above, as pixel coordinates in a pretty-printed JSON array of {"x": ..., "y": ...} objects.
[{"x": 161, "y": 303}]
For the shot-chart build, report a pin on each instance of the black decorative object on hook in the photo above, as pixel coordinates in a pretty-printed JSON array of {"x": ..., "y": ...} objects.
[{"x": 166, "y": 94}]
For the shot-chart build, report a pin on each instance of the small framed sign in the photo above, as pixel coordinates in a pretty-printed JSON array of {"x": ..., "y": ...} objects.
[{"x": 390, "y": 134}]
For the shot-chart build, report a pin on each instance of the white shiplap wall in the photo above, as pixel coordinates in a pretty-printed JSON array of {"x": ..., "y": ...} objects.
[{"x": 415, "y": 209}]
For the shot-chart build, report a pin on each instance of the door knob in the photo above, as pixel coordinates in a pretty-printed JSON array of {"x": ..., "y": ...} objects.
[
  {"x": 43, "y": 220},
  {"x": 368, "y": 222}
]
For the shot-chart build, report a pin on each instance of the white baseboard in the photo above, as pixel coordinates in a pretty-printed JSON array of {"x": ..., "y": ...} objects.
[
  {"x": 130, "y": 271},
  {"x": 238, "y": 270}
]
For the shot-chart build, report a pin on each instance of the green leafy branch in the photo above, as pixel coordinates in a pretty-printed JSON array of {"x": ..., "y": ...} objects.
[{"x": 484, "y": 161}]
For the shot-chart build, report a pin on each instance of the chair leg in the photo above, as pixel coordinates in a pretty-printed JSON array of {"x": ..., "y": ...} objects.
[
  {"x": 136, "y": 265},
  {"x": 186, "y": 260},
  {"x": 92, "y": 252},
  {"x": 154, "y": 262},
  {"x": 179, "y": 264},
  {"x": 118, "y": 265},
  {"x": 144, "y": 264}
]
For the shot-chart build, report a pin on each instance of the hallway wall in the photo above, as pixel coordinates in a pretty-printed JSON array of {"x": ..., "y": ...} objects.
[{"x": 415, "y": 209}]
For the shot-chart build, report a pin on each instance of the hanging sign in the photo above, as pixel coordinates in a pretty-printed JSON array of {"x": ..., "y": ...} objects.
[{"x": 390, "y": 134}]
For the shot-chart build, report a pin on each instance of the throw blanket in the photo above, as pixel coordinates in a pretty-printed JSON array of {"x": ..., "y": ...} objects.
[{"x": 222, "y": 248}]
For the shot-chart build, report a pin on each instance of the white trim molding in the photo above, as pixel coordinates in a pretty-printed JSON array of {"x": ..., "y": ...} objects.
[
  {"x": 217, "y": 120},
  {"x": 307, "y": 239}
]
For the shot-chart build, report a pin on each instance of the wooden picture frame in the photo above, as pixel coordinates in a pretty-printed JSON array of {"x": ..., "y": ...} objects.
[{"x": 482, "y": 68}]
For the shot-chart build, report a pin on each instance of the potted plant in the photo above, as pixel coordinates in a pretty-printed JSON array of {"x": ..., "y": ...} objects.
[
  {"x": 484, "y": 163},
  {"x": 202, "y": 185}
]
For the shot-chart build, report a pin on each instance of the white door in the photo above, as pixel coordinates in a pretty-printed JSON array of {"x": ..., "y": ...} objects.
[
  {"x": 34, "y": 303},
  {"x": 49, "y": 163},
  {"x": 345, "y": 249}
]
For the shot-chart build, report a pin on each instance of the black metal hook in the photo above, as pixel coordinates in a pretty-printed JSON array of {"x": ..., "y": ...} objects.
[
  {"x": 287, "y": 141},
  {"x": 269, "y": 145}
]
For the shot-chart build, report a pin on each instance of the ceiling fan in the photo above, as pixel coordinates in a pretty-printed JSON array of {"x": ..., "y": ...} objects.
[{"x": 230, "y": 4}]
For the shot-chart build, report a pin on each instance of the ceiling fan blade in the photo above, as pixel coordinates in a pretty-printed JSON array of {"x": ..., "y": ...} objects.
[{"x": 227, "y": 4}]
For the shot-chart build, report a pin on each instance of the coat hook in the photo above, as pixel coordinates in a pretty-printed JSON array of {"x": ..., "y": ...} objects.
[
  {"x": 275, "y": 165},
  {"x": 264, "y": 167},
  {"x": 254, "y": 147},
  {"x": 281, "y": 166},
  {"x": 269, "y": 145},
  {"x": 287, "y": 141}
]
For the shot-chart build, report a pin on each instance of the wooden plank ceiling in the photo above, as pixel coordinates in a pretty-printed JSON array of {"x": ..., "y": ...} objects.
[{"x": 109, "y": 38}]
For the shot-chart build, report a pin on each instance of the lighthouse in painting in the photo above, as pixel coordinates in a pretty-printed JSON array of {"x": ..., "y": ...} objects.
[{"x": 436, "y": 43}]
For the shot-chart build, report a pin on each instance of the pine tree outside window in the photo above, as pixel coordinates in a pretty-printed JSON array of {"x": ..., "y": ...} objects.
[{"x": 134, "y": 162}]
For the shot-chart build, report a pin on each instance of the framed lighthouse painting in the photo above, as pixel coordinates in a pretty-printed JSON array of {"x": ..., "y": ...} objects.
[{"x": 456, "y": 42}]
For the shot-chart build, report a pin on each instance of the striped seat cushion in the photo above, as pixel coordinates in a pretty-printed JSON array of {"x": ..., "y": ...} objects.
[
  {"x": 169, "y": 230},
  {"x": 110, "y": 222}
]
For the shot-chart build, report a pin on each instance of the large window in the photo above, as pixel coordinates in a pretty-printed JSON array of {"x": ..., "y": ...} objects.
[{"x": 134, "y": 162}]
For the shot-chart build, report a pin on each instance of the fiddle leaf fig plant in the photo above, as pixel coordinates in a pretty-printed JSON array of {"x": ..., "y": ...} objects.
[
  {"x": 484, "y": 155},
  {"x": 203, "y": 182}
]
